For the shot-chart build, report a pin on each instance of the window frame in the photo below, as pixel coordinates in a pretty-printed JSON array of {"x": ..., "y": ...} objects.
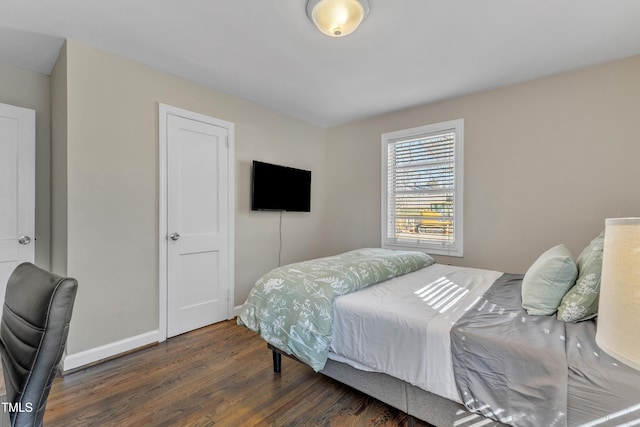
[{"x": 430, "y": 246}]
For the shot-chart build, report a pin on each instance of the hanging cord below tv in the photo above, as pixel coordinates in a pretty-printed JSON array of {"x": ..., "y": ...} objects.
[{"x": 280, "y": 250}]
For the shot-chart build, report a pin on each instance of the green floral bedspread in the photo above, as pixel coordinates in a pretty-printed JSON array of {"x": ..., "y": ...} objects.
[{"x": 291, "y": 307}]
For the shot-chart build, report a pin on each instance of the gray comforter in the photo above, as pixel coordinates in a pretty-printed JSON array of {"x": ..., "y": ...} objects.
[
  {"x": 510, "y": 366},
  {"x": 535, "y": 370},
  {"x": 602, "y": 391}
]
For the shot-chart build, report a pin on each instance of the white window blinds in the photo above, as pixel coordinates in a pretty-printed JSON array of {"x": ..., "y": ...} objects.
[{"x": 421, "y": 208}]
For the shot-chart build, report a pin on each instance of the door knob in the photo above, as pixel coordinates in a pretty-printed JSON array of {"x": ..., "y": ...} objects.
[
  {"x": 174, "y": 236},
  {"x": 24, "y": 240}
]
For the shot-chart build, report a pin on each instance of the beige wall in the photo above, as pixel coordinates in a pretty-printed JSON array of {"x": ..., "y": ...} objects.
[
  {"x": 59, "y": 164},
  {"x": 545, "y": 163},
  {"x": 31, "y": 90},
  {"x": 112, "y": 189}
]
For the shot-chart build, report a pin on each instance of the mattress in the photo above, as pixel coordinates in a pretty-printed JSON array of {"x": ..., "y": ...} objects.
[
  {"x": 461, "y": 334},
  {"x": 392, "y": 327}
]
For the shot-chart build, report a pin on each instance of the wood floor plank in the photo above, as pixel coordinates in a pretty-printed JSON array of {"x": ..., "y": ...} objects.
[{"x": 219, "y": 375}]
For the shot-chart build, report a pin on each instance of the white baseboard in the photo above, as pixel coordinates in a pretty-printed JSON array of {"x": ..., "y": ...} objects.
[
  {"x": 77, "y": 360},
  {"x": 236, "y": 310},
  {"x": 87, "y": 357}
]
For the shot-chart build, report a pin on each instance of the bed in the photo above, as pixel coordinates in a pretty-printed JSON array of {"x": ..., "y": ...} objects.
[{"x": 448, "y": 345}]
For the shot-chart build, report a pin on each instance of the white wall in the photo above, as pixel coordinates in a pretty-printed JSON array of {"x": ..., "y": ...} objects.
[
  {"x": 31, "y": 90},
  {"x": 545, "y": 163},
  {"x": 111, "y": 156}
]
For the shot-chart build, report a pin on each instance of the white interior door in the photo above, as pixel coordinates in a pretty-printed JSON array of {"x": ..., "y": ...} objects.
[
  {"x": 198, "y": 220},
  {"x": 17, "y": 190}
]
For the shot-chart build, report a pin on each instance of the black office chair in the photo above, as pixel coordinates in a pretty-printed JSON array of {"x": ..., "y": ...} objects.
[{"x": 35, "y": 323}]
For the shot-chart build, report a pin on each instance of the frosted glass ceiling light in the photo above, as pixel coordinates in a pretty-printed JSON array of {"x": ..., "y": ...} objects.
[{"x": 337, "y": 18}]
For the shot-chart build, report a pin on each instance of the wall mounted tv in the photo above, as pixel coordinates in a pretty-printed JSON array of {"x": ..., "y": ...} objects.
[{"x": 280, "y": 188}]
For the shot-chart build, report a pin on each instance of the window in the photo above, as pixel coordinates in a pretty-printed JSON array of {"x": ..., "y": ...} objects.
[{"x": 422, "y": 188}]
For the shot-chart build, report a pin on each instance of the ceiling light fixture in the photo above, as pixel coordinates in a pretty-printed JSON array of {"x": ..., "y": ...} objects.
[{"x": 337, "y": 18}]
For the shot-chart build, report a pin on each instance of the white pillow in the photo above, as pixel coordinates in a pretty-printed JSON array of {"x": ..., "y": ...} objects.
[{"x": 548, "y": 280}]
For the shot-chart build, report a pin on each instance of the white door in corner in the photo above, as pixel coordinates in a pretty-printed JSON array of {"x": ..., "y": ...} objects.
[
  {"x": 198, "y": 223},
  {"x": 17, "y": 190}
]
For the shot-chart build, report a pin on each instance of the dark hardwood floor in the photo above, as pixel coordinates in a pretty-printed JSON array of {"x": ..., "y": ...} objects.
[{"x": 219, "y": 375}]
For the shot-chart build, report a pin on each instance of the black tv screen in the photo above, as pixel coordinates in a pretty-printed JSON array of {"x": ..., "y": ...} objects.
[{"x": 280, "y": 188}]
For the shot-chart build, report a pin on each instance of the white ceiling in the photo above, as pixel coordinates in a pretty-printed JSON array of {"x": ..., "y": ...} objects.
[{"x": 406, "y": 53}]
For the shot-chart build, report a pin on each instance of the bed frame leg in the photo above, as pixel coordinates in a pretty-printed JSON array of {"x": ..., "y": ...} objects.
[{"x": 277, "y": 362}]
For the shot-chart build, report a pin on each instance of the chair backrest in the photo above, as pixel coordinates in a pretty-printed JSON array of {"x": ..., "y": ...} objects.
[{"x": 35, "y": 323}]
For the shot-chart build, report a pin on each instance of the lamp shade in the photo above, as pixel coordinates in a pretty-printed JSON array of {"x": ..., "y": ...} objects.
[
  {"x": 618, "y": 330},
  {"x": 337, "y": 18}
]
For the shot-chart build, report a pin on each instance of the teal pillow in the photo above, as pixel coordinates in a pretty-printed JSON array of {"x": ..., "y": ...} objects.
[
  {"x": 547, "y": 280},
  {"x": 581, "y": 302}
]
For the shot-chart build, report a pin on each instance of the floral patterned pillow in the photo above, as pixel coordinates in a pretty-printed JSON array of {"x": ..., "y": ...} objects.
[{"x": 581, "y": 302}]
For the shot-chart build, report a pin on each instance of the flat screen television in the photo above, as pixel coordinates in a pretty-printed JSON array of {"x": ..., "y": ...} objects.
[{"x": 280, "y": 188}]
